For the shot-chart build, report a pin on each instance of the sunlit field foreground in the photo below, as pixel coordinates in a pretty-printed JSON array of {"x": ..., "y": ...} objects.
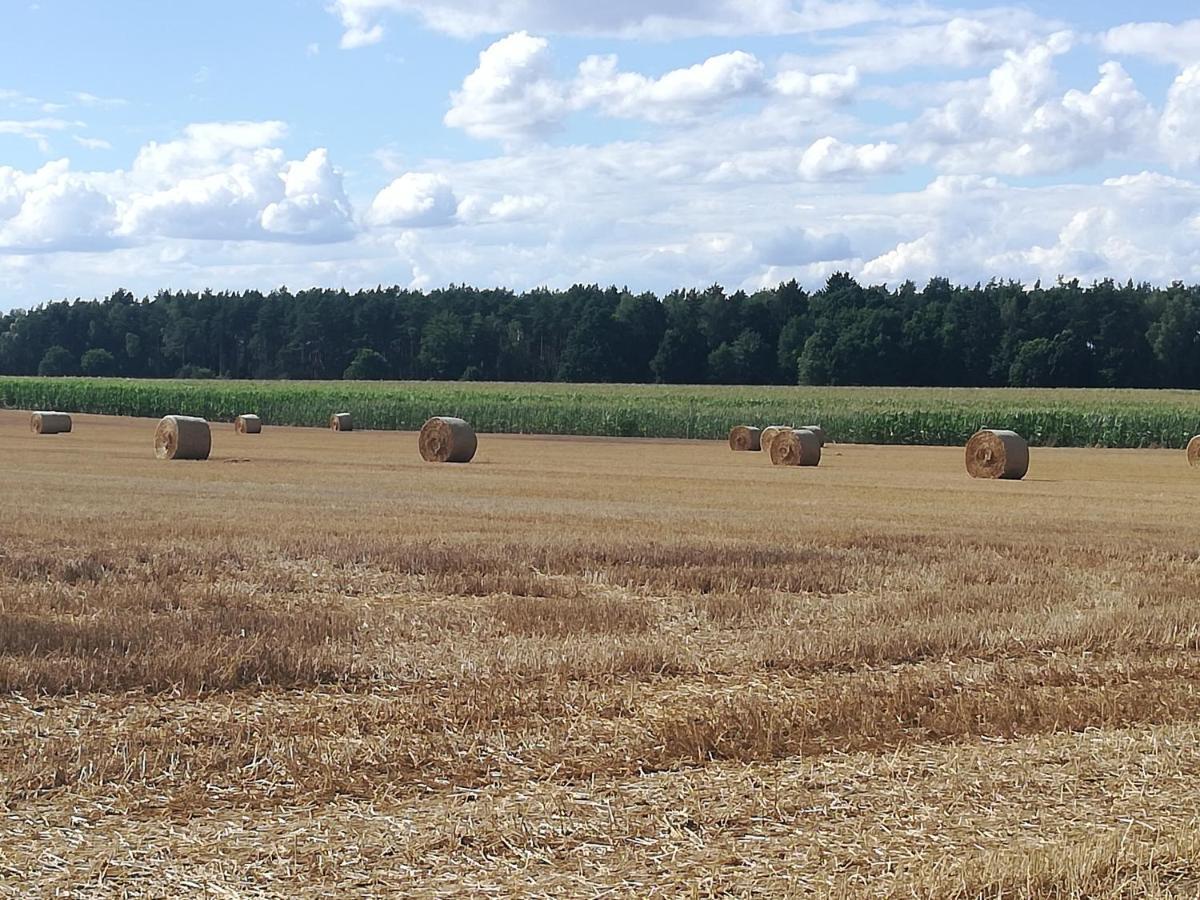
[{"x": 317, "y": 666}]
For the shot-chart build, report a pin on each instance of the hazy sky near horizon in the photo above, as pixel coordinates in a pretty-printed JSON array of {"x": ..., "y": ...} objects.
[{"x": 648, "y": 143}]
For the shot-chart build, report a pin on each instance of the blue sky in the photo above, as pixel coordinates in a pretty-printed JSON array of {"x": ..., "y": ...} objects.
[{"x": 654, "y": 143}]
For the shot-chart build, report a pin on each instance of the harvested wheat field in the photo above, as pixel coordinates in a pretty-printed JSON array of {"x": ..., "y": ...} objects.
[{"x": 318, "y": 666}]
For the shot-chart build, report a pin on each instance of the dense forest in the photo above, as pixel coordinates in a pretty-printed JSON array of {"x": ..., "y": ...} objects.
[{"x": 1000, "y": 333}]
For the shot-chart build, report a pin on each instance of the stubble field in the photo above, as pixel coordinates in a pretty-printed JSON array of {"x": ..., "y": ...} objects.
[{"x": 317, "y": 666}]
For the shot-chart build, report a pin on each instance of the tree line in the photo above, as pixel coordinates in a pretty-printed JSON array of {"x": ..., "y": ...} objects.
[{"x": 995, "y": 334}]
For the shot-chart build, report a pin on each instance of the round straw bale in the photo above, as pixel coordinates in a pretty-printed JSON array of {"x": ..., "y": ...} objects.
[
  {"x": 745, "y": 437},
  {"x": 50, "y": 423},
  {"x": 1193, "y": 451},
  {"x": 993, "y": 453},
  {"x": 182, "y": 437},
  {"x": 817, "y": 430},
  {"x": 341, "y": 422},
  {"x": 446, "y": 439},
  {"x": 768, "y": 435},
  {"x": 248, "y": 424},
  {"x": 796, "y": 447}
]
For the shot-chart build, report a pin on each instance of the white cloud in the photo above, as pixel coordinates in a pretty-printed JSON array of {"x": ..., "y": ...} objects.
[
  {"x": 1179, "y": 127},
  {"x": 957, "y": 42},
  {"x": 1176, "y": 42},
  {"x": 90, "y": 143},
  {"x": 205, "y": 148},
  {"x": 831, "y": 159},
  {"x": 415, "y": 199},
  {"x": 219, "y": 181},
  {"x": 36, "y": 130},
  {"x": 512, "y": 94},
  {"x": 1013, "y": 122},
  {"x": 314, "y": 204},
  {"x": 830, "y": 87},
  {"x": 676, "y": 95},
  {"x": 53, "y": 209},
  {"x": 655, "y": 19}
]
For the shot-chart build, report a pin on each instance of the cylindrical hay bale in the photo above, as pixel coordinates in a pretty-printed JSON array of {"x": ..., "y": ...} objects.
[
  {"x": 745, "y": 437},
  {"x": 247, "y": 424},
  {"x": 796, "y": 447},
  {"x": 993, "y": 453},
  {"x": 817, "y": 430},
  {"x": 446, "y": 439},
  {"x": 341, "y": 422},
  {"x": 182, "y": 437},
  {"x": 1193, "y": 451},
  {"x": 768, "y": 435},
  {"x": 50, "y": 423}
]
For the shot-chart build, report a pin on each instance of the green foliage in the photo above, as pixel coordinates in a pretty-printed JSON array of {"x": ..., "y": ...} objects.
[
  {"x": 98, "y": 362},
  {"x": 845, "y": 333},
  {"x": 58, "y": 361},
  {"x": 367, "y": 365},
  {"x": 866, "y": 415}
]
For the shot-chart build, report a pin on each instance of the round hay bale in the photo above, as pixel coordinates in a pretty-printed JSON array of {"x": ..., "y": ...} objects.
[
  {"x": 796, "y": 447},
  {"x": 817, "y": 430},
  {"x": 768, "y": 435},
  {"x": 446, "y": 439},
  {"x": 182, "y": 437},
  {"x": 341, "y": 422},
  {"x": 248, "y": 424},
  {"x": 1193, "y": 451},
  {"x": 994, "y": 453},
  {"x": 745, "y": 437},
  {"x": 50, "y": 423}
]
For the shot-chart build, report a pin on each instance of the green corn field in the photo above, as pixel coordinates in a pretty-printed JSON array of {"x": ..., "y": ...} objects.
[{"x": 945, "y": 416}]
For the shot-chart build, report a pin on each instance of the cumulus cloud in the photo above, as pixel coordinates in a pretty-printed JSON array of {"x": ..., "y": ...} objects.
[
  {"x": 514, "y": 94},
  {"x": 1176, "y": 42},
  {"x": 1179, "y": 127},
  {"x": 314, "y": 204},
  {"x": 52, "y": 209},
  {"x": 830, "y": 159},
  {"x": 224, "y": 181},
  {"x": 220, "y": 181},
  {"x": 1014, "y": 122},
  {"x": 414, "y": 200},
  {"x": 676, "y": 95}
]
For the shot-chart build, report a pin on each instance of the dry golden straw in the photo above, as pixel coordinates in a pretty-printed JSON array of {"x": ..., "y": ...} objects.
[
  {"x": 796, "y": 447},
  {"x": 745, "y": 437},
  {"x": 768, "y": 435},
  {"x": 993, "y": 453},
  {"x": 247, "y": 424},
  {"x": 446, "y": 439},
  {"x": 341, "y": 422},
  {"x": 1193, "y": 451},
  {"x": 817, "y": 430},
  {"x": 50, "y": 423},
  {"x": 182, "y": 437}
]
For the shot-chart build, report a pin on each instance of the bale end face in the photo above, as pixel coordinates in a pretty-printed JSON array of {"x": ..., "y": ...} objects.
[
  {"x": 768, "y": 435},
  {"x": 44, "y": 422},
  {"x": 796, "y": 447},
  {"x": 744, "y": 438},
  {"x": 182, "y": 437},
  {"x": 247, "y": 424},
  {"x": 447, "y": 439},
  {"x": 341, "y": 422},
  {"x": 994, "y": 453},
  {"x": 1193, "y": 452}
]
